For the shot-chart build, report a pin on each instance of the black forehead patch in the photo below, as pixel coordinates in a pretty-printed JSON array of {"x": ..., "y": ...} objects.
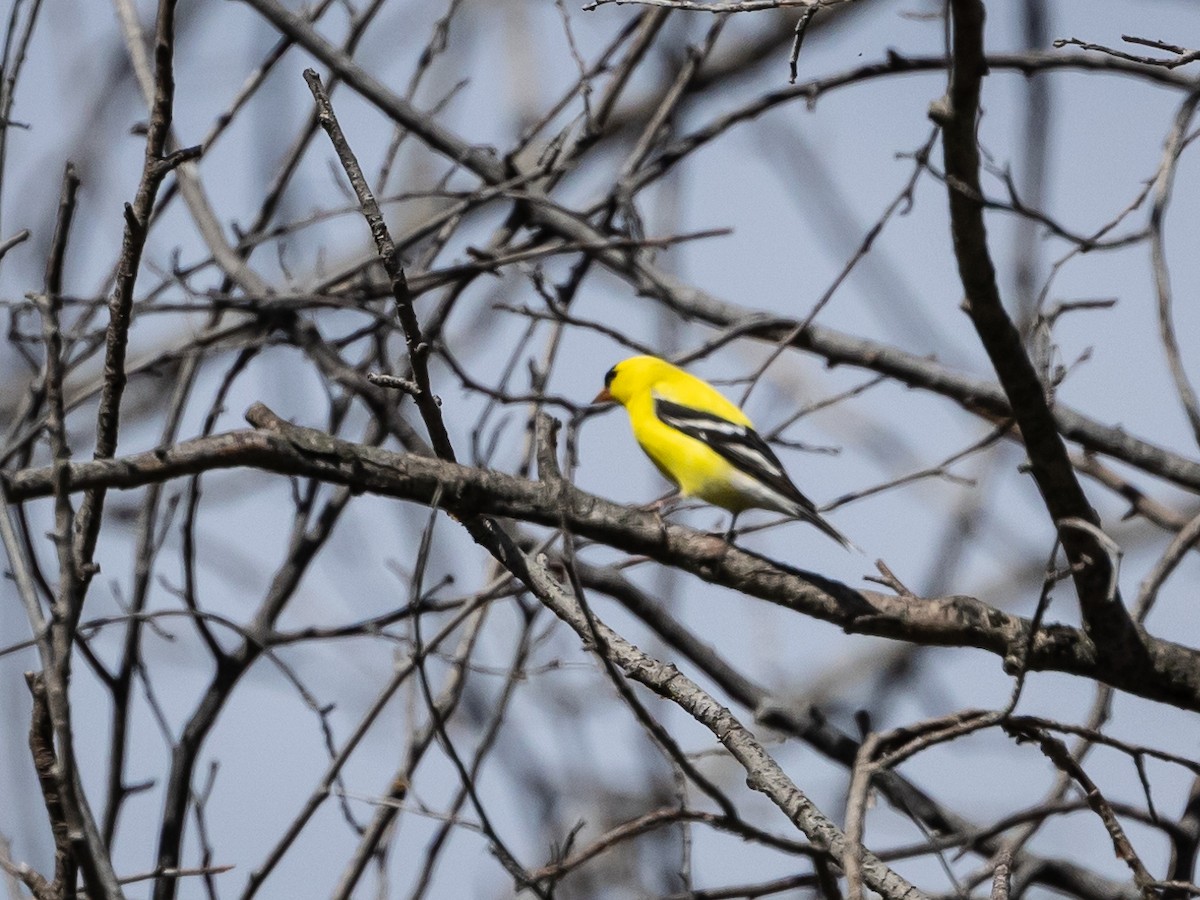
[{"x": 609, "y": 376}]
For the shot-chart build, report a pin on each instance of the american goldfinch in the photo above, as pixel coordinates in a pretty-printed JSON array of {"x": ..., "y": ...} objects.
[{"x": 703, "y": 443}]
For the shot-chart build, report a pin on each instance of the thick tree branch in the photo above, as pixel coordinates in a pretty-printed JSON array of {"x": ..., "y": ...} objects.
[
  {"x": 1105, "y": 617},
  {"x": 1169, "y": 672}
]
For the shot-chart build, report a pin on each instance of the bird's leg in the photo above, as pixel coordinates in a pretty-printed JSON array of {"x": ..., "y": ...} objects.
[{"x": 732, "y": 532}]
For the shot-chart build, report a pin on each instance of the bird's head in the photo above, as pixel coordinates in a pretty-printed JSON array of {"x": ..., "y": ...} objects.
[{"x": 628, "y": 376}]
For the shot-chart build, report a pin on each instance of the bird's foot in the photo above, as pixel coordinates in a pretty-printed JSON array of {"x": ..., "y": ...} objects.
[
  {"x": 732, "y": 532},
  {"x": 664, "y": 504}
]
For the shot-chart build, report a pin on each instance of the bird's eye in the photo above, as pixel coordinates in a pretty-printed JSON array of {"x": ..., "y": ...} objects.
[{"x": 609, "y": 376}]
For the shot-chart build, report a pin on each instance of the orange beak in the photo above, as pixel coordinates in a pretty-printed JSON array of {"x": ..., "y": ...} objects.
[{"x": 604, "y": 397}]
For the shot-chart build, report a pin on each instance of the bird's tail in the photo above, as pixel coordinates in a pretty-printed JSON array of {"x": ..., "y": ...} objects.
[{"x": 812, "y": 516}]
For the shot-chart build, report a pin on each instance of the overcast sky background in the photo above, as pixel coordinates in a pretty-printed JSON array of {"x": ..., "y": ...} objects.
[{"x": 798, "y": 188}]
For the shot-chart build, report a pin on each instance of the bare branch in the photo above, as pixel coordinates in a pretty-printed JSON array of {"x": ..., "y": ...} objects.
[
  {"x": 1105, "y": 617},
  {"x": 1171, "y": 672}
]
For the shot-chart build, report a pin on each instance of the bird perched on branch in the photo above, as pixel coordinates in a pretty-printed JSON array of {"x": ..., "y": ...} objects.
[{"x": 703, "y": 443}]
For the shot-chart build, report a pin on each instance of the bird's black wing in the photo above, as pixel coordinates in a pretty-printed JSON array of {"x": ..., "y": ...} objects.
[
  {"x": 740, "y": 445},
  {"x": 747, "y": 452}
]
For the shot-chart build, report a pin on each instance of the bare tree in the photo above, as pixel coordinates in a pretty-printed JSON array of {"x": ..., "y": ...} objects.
[{"x": 356, "y": 592}]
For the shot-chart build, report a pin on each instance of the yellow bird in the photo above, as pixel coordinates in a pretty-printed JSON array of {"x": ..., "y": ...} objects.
[{"x": 703, "y": 443}]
